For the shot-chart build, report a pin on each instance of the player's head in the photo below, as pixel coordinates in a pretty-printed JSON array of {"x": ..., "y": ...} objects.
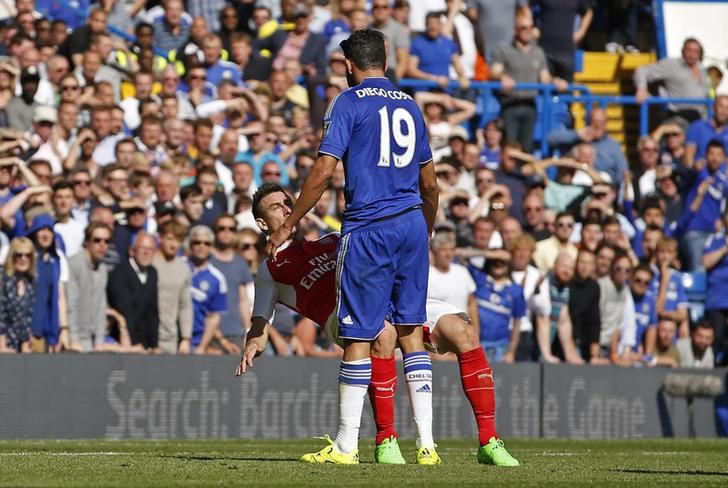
[
  {"x": 364, "y": 50},
  {"x": 271, "y": 207}
]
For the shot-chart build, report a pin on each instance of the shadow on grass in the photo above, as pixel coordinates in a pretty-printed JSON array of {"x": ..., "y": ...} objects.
[
  {"x": 239, "y": 458},
  {"x": 689, "y": 472}
]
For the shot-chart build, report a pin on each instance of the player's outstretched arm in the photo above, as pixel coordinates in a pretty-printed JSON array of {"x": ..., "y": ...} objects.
[
  {"x": 429, "y": 193},
  {"x": 314, "y": 186},
  {"x": 255, "y": 343}
]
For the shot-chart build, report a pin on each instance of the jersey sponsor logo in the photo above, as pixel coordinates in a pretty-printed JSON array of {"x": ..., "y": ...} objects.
[
  {"x": 323, "y": 264},
  {"x": 424, "y": 389}
]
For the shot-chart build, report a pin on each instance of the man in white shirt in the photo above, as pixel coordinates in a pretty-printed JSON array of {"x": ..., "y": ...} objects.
[{"x": 450, "y": 282}]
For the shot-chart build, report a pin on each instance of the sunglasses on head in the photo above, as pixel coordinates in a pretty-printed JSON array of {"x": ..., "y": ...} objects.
[{"x": 247, "y": 245}]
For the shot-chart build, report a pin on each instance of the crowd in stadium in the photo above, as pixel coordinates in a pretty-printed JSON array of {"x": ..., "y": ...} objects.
[{"x": 135, "y": 134}]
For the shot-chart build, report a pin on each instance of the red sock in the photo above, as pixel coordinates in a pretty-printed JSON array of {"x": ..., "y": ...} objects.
[
  {"x": 381, "y": 394},
  {"x": 477, "y": 379}
]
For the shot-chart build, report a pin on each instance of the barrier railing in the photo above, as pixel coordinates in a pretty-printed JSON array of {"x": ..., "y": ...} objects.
[
  {"x": 603, "y": 100},
  {"x": 487, "y": 89},
  {"x": 550, "y": 98}
]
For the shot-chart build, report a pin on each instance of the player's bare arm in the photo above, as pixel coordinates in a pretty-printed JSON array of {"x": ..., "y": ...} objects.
[
  {"x": 315, "y": 185},
  {"x": 255, "y": 343},
  {"x": 430, "y": 194}
]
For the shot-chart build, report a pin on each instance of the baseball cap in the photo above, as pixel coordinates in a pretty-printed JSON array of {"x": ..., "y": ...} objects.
[{"x": 45, "y": 113}]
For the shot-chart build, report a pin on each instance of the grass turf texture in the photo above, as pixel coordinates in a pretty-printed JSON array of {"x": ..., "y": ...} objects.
[{"x": 274, "y": 463}]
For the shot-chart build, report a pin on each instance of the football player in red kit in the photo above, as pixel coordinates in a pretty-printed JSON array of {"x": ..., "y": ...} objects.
[{"x": 303, "y": 277}]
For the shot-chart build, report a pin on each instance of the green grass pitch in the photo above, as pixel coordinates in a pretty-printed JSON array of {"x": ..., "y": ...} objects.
[{"x": 274, "y": 463}]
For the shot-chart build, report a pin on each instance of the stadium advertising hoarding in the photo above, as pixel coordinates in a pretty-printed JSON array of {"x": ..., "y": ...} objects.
[{"x": 161, "y": 397}]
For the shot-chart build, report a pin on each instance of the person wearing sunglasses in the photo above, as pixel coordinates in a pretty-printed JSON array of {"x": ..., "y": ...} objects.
[
  {"x": 645, "y": 310},
  {"x": 87, "y": 279},
  {"x": 235, "y": 323},
  {"x": 548, "y": 249},
  {"x": 209, "y": 289},
  {"x": 616, "y": 310},
  {"x": 17, "y": 294}
]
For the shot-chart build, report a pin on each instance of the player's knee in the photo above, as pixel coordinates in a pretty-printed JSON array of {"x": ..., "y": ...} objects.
[
  {"x": 383, "y": 347},
  {"x": 461, "y": 334}
]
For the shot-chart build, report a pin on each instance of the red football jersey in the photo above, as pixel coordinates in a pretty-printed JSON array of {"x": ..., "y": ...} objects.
[{"x": 303, "y": 278}]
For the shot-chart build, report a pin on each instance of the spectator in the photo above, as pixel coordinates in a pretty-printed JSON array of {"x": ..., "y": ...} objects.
[
  {"x": 521, "y": 61},
  {"x": 214, "y": 201},
  {"x": 696, "y": 352},
  {"x": 666, "y": 354},
  {"x": 431, "y": 55},
  {"x": 548, "y": 249},
  {"x": 533, "y": 209},
  {"x": 559, "y": 37},
  {"x": 397, "y": 37},
  {"x": 70, "y": 230},
  {"x": 535, "y": 327},
  {"x": 17, "y": 297},
  {"x": 80, "y": 181},
  {"x": 259, "y": 154},
  {"x": 645, "y": 177},
  {"x": 667, "y": 286},
  {"x": 591, "y": 235},
  {"x": 209, "y": 289},
  {"x": 495, "y": 18},
  {"x": 235, "y": 323},
  {"x": 716, "y": 300},
  {"x": 584, "y": 311},
  {"x": 87, "y": 289},
  {"x": 705, "y": 200},
  {"x": 680, "y": 78},
  {"x": 173, "y": 291},
  {"x": 192, "y": 205},
  {"x": 143, "y": 86},
  {"x": 21, "y": 108},
  {"x": 300, "y": 44},
  {"x": 134, "y": 220},
  {"x": 79, "y": 41},
  {"x": 621, "y": 26},
  {"x": 450, "y": 282},
  {"x": 217, "y": 68},
  {"x": 49, "y": 308},
  {"x": 610, "y": 158},
  {"x": 510, "y": 175},
  {"x": 132, "y": 292},
  {"x": 702, "y": 132},
  {"x": 490, "y": 140},
  {"x": 645, "y": 310},
  {"x": 616, "y": 335},
  {"x": 172, "y": 29},
  {"x": 499, "y": 301}
]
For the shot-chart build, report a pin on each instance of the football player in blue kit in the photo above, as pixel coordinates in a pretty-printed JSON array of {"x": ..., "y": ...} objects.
[{"x": 379, "y": 134}]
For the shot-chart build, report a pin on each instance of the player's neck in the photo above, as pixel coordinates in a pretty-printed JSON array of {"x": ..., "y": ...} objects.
[{"x": 370, "y": 73}]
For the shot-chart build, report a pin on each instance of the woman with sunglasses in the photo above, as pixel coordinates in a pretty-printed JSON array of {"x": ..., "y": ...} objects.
[{"x": 17, "y": 294}]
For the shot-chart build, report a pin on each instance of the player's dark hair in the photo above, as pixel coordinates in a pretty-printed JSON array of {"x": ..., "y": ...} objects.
[
  {"x": 365, "y": 48},
  {"x": 265, "y": 190}
]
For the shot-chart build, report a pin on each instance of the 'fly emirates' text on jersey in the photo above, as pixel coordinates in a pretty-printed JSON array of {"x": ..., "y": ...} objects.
[
  {"x": 380, "y": 134},
  {"x": 303, "y": 278}
]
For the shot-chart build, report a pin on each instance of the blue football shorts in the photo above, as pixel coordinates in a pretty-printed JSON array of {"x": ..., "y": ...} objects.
[{"x": 381, "y": 272}]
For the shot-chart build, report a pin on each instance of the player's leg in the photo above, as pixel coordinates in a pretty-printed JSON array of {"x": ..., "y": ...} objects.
[
  {"x": 364, "y": 283},
  {"x": 452, "y": 333},
  {"x": 381, "y": 394},
  {"x": 409, "y": 297}
]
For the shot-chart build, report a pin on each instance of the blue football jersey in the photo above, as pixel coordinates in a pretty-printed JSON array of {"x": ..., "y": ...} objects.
[{"x": 380, "y": 135}]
